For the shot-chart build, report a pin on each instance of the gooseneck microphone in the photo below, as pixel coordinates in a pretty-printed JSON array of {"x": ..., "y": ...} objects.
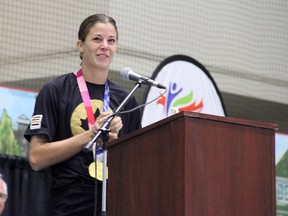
[{"x": 128, "y": 74}]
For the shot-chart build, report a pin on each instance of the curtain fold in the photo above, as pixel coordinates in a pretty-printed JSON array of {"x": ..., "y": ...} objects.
[{"x": 28, "y": 191}]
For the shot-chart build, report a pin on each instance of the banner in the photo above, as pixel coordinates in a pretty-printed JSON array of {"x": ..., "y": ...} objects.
[
  {"x": 16, "y": 109},
  {"x": 189, "y": 87},
  {"x": 281, "y": 160}
]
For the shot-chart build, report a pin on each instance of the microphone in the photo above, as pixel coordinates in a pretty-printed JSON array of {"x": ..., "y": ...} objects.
[{"x": 128, "y": 74}]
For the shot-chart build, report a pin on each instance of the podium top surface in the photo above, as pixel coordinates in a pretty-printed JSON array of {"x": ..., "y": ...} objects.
[{"x": 195, "y": 115}]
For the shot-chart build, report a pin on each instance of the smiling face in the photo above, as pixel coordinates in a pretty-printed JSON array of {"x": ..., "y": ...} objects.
[{"x": 99, "y": 46}]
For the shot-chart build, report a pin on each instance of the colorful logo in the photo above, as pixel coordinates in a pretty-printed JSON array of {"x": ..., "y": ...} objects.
[{"x": 184, "y": 103}]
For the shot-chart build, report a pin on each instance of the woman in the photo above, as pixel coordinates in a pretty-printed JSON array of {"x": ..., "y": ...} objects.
[{"x": 68, "y": 111}]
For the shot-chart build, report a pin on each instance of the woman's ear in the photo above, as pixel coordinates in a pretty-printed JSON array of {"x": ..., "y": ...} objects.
[{"x": 79, "y": 45}]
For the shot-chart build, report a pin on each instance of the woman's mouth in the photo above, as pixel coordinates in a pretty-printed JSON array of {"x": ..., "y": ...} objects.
[{"x": 103, "y": 56}]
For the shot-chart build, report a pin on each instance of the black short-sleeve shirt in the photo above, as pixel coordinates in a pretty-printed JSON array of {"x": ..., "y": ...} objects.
[{"x": 59, "y": 113}]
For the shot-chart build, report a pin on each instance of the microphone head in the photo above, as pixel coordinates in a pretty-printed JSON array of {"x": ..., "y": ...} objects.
[
  {"x": 128, "y": 74},
  {"x": 125, "y": 73}
]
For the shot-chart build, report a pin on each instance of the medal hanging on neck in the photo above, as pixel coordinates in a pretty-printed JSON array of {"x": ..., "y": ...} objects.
[{"x": 91, "y": 121}]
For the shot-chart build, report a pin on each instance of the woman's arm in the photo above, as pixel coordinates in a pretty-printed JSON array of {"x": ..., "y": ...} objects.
[{"x": 43, "y": 153}]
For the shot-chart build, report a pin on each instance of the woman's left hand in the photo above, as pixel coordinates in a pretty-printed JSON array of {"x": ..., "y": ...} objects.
[{"x": 115, "y": 125}]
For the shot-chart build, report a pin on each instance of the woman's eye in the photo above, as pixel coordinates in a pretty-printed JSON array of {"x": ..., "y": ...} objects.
[
  {"x": 97, "y": 39},
  {"x": 112, "y": 41}
]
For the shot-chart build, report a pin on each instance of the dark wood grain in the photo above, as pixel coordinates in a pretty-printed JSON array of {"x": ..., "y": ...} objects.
[{"x": 194, "y": 164}]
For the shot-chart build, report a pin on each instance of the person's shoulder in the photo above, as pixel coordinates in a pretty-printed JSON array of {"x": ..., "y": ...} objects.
[
  {"x": 115, "y": 87},
  {"x": 64, "y": 78},
  {"x": 120, "y": 92},
  {"x": 61, "y": 81}
]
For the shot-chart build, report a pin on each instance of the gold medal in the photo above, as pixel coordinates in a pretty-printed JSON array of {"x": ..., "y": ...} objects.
[{"x": 99, "y": 166}]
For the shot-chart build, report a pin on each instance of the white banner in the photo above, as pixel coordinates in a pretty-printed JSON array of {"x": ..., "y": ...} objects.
[{"x": 189, "y": 87}]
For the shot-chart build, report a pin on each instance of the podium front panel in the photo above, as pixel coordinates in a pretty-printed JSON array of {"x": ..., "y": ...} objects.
[{"x": 194, "y": 164}]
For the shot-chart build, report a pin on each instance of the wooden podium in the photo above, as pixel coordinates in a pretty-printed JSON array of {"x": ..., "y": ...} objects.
[{"x": 193, "y": 164}]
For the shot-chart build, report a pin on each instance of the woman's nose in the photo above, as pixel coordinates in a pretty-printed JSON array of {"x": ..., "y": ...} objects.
[{"x": 104, "y": 44}]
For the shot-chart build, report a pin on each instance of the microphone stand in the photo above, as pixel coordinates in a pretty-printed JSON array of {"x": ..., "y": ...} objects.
[{"x": 104, "y": 133}]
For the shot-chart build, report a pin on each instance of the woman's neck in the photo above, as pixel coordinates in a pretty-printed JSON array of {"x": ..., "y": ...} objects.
[{"x": 95, "y": 76}]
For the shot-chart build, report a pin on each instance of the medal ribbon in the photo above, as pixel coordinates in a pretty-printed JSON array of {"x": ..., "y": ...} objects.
[
  {"x": 91, "y": 120},
  {"x": 86, "y": 98}
]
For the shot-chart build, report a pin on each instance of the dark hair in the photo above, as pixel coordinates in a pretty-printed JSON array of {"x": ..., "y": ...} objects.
[{"x": 91, "y": 21}]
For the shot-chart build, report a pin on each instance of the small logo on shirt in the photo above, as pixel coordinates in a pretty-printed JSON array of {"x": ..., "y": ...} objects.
[{"x": 36, "y": 122}]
